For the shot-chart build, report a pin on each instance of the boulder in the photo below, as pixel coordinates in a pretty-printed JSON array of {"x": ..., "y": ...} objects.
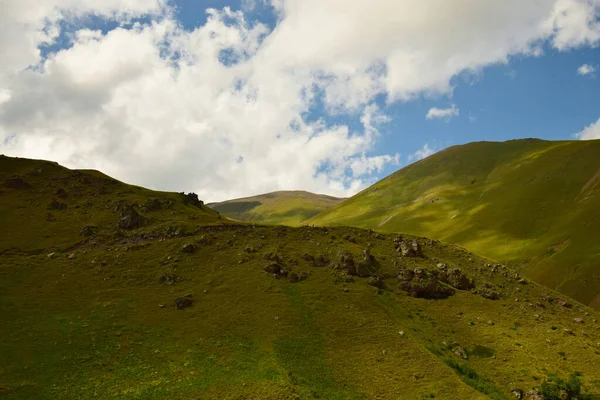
[
  {"x": 184, "y": 302},
  {"x": 57, "y": 205},
  {"x": 457, "y": 279},
  {"x": 152, "y": 204},
  {"x": 410, "y": 249},
  {"x": 321, "y": 261},
  {"x": 189, "y": 248},
  {"x": 362, "y": 270},
  {"x": 130, "y": 219},
  {"x": 424, "y": 284},
  {"x": 563, "y": 303},
  {"x": 307, "y": 257},
  {"x": 579, "y": 320},
  {"x": 376, "y": 281},
  {"x": 273, "y": 257},
  {"x": 169, "y": 278},
  {"x": 460, "y": 352},
  {"x": 61, "y": 193},
  {"x": 88, "y": 230},
  {"x": 272, "y": 268},
  {"x": 293, "y": 277}
]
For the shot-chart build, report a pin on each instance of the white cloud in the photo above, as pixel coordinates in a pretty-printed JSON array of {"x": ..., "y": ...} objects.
[
  {"x": 586, "y": 69},
  {"x": 590, "y": 132},
  {"x": 153, "y": 104},
  {"x": 422, "y": 153},
  {"x": 445, "y": 113}
]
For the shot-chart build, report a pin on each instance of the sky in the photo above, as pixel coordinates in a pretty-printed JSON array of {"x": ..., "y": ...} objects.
[{"x": 235, "y": 98}]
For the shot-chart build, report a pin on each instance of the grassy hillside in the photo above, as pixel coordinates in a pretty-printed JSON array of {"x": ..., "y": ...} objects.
[
  {"x": 290, "y": 208},
  {"x": 96, "y": 316},
  {"x": 531, "y": 203},
  {"x": 44, "y": 206}
]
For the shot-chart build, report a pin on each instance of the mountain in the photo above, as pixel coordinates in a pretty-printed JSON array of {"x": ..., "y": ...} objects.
[
  {"x": 290, "y": 208},
  {"x": 530, "y": 203},
  {"x": 126, "y": 293}
]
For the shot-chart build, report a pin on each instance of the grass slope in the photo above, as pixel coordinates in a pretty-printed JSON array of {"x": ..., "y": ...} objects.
[
  {"x": 290, "y": 208},
  {"x": 531, "y": 203},
  {"x": 97, "y": 318}
]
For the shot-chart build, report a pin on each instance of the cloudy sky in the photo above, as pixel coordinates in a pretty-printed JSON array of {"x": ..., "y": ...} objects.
[{"x": 235, "y": 98}]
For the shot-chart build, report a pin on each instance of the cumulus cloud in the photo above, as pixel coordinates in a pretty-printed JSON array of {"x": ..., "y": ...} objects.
[
  {"x": 590, "y": 132},
  {"x": 445, "y": 113},
  {"x": 586, "y": 69},
  {"x": 422, "y": 153},
  {"x": 224, "y": 109}
]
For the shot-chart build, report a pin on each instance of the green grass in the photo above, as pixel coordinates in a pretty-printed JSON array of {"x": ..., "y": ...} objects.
[
  {"x": 290, "y": 208},
  {"x": 472, "y": 379},
  {"x": 92, "y": 326},
  {"x": 533, "y": 204}
]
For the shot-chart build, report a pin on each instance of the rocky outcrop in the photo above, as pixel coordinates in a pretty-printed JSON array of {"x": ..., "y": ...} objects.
[
  {"x": 410, "y": 248},
  {"x": 424, "y": 284},
  {"x": 189, "y": 248},
  {"x": 130, "y": 219},
  {"x": 192, "y": 199},
  {"x": 457, "y": 279},
  {"x": 184, "y": 302}
]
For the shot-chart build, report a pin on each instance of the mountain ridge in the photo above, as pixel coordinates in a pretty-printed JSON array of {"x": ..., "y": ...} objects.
[{"x": 514, "y": 201}]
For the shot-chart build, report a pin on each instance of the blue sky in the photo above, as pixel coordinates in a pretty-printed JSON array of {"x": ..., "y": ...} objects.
[{"x": 234, "y": 98}]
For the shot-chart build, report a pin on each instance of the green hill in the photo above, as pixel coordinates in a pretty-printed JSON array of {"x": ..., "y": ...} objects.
[
  {"x": 531, "y": 203},
  {"x": 172, "y": 302},
  {"x": 290, "y": 208}
]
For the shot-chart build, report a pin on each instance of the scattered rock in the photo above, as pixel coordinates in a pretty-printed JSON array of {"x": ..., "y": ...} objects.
[
  {"x": 523, "y": 281},
  {"x": 189, "y": 248},
  {"x": 152, "y": 204},
  {"x": 487, "y": 291},
  {"x": 321, "y": 261},
  {"x": 423, "y": 284},
  {"x": 169, "y": 278},
  {"x": 61, "y": 193},
  {"x": 518, "y": 393},
  {"x": 350, "y": 238},
  {"x": 250, "y": 250},
  {"x": 88, "y": 230},
  {"x": 410, "y": 249},
  {"x": 563, "y": 303},
  {"x": 579, "y": 320},
  {"x": 460, "y": 352},
  {"x": 161, "y": 305},
  {"x": 273, "y": 268},
  {"x": 273, "y": 257},
  {"x": 307, "y": 257},
  {"x": 184, "y": 302},
  {"x": 57, "y": 205},
  {"x": 569, "y": 331},
  {"x": 376, "y": 281},
  {"x": 130, "y": 219},
  {"x": 50, "y": 255},
  {"x": 456, "y": 278},
  {"x": 293, "y": 277},
  {"x": 535, "y": 395},
  {"x": 71, "y": 256}
]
